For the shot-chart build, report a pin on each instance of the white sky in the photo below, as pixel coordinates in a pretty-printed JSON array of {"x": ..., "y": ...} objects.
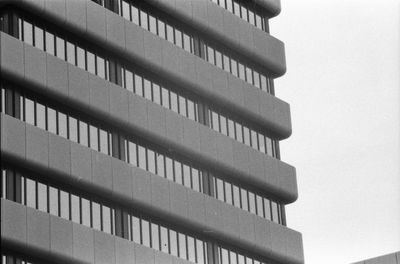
[{"x": 343, "y": 87}]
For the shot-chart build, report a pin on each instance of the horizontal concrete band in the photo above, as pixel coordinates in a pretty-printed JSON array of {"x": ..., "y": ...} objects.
[
  {"x": 168, "y": 61},
  {"x": 90, "y": 94},
  {"x": 62, "y": 160},
  {"x": 273, "y": 7},
  {"x": 44, "y": 236},
  {"x": 233, "y": 32}
]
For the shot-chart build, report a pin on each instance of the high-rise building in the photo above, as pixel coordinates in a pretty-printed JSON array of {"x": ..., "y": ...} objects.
[
  {"x": 393, "y": 258},
  {"x": 140, "y": 131}
]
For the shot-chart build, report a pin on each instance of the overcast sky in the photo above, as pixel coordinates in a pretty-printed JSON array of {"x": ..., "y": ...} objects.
[{"x": 342, "y": 84}]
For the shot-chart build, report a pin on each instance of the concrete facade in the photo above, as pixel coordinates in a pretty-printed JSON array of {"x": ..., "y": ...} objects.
[
  {"x": 229, "y": 232},
  {"x": 393, "y": 258}
]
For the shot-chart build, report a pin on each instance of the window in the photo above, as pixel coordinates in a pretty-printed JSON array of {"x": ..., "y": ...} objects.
[
  {"x": 164, "y": 239},
  {"x": 153, "y": 24},
  {"x": 125, "y": 10},
  {"x": 138, "y": 85},
  {"x": 187, "y": 179},
  {"x": 170, "y": 33},
  {"x": 60, "y": 48},
  {"x": 50, "y": 43},
  {"x": 142, "y": 157},
  {"x": 70, "y": 53},
  {"x": 40, "y": 116},
  {"x": 200, "y": 251},
  {"x": 147, "y": 89},
  {"x": 182, "y": 106},
  {"x": 243, "y": 195},
  {"x": 106, "y": 220},
  {"x": 96, "y": 216},
  {"x": 64, "y": 205},
  {"x": 28, "y": 35},
  {"x": 173, "y": 242},
  {"x": 186, "y": 43},
  {"x": 182, "y": 245},
  {"x": 143, "y": 20},
  {"x": 53, "y": 201},
  {"x": 101, "y": 71},
  {"x": 178, "y": 172},
  {"x": 135, "y": 229},
  {"x": 135, "y": 15},
  {"x": 30, "y": 193},
  {"x": 145, "y": 228},
  {"x": 51, "y": 120},
  {"x": 274, "y": 209},
  {"x": 178, "y": 38},
  {"x": 252, "y": 203},
  {"x": 83, "y": 133},
  {"x": 42, "y": 197},
  {"x": 156, "y": 94},
  {"x": 151, "y": 161},
  {"x": 160, "y": 165},
  {"x": 29, "y": 111},
  {"x": 191, "y": 249},
  {"x": 85, "y": 212},
  {"x": 155, "y": 243},
  {"x": 91, "y": 65},
  {"x": 39, "y": 41},
  {"x": 228, "y": 193},
  {"x": 161, "y": 29},
  {"x": 174, "y": 102},
  {"x": 75, "y": 209},
  {"x": 94, "y": 143},
  {"x": 169, "y": 169}
]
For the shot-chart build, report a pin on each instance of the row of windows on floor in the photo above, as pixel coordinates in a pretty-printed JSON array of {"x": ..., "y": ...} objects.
[
  {"x": 245, "y": 12},
  {"x": 136, "y": 152},
  {"x": 170, "y": 31},
  {"x": 10, "y": 258},
  {"x": 176, "y": 101},
  {"x": 132, "y": 225}
]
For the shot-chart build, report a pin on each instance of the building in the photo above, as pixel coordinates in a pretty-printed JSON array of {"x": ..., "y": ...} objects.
[
  {"x": 143, "y": 132},
  {"x": 393, "y": 258}
]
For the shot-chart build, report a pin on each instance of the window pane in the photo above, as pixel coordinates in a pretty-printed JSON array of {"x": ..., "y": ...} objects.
[
  {"x": 91, "y": 67},
  {"x": 135, "y": 229},
  {"x": 226, "y": 63},
  {"x": 191, "y": 110},
  {"x": 135, "y": 15},
  {"x": 83, "y": 133},
  {"x": 106, "y": 221},
  {"x": 145, "y": 227},
  {"x": 160, "y": 164},
  {"x": 218, "y": 59},
  {"x": 170, "y": 33},
  {"x": 53, "y": 201},
  {"x": 254, "y": 141},
  {"x": 164, "y": 239},
  {"x": 215, "y": 121},
  {"x": 210, "y": 55},
  {"x": 200, "y": 251},
  {"x": 178, "y": 172},
  {"x": 132, "y": 153},
  {"x": 161, "y": 29},
  {"x": 138, "y": 85},
  {"x": 60, "y": 48},
  {"x": 239, "y": 134},
  {"x": 274, "y": 207},
  {"x": 251, "y": 17},
  {"x": 228, "y": 193},
  {"x": 151, "y": 161},
  {"x": 147, "y": 89},
  {"x": 252, "y": 203},
  {"x": 30, "y": 193},
  {"x": 40, "y": 116},
  {"x": 249, "y": 75},
  {"x": 153, "y": 24},
  {"x": 28, "y": 36},
  {"x": 85, "y": 212},
  {"x": 103, "y": 142},
  {"x": 174, "y": 102},
  {"x": 178, "y": 38},
  {"x": 80, "y": 57},
  {"x": 182, "y": 106},
  {"x": 165, "y": 98},
  {"x": 125, "y": 10},
  {"x": 231, "y": 128},
  {"x": 236, "y": 196},
  {"x": 64, "y": 205},
  {"x": 196, "y": 180},
  {"x": 169, "y": 168},
  {"x": 223, "y": 125},
  {"x": 187, "y": 179},
  {"x": 155, "y": 243},
  {"x": 260, "y": 206},
  {"x": 246, "y": 136},
  {"x": 241, "y": 71},
  {"x": 156, "y": 94},
  {"x": 39, "y": 42},
  {"x": 182, "y": 245},
  {"x": 224, "y": 256},
  {"x": 186, "y": 42},
  {"x": 256, "y": 79},
  {"x": 129, "y": 80},
  {"x": 220, "y": 189},
  {"x": 143, "y": 19},
  {"x": 75, "y": 209},
  {"x": 191, "y": 249},
  {"x": 42, "y": 197},
  {"x": 173, "y": 242},
  {"x": 243, "y": 195},
  {"x": 142, "y": 157},
  {"x": 96, "y": 217},
  {"x": 71, "y": 53},
  {"x": 101, "y": 71},
  {"x": 51, "y": 120},
  {"x": 94, "y": 143},
  {"x": 261, "y": 143},
  {"x": 29, "y": 111},
  {"x": 234, "y": 67}
]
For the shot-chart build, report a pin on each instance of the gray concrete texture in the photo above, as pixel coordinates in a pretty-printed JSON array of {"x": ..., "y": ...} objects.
[
  {"x": 392, "y": 258},
  {"x": 121, "y": 182},
  {"x": 148, "y": 119}
]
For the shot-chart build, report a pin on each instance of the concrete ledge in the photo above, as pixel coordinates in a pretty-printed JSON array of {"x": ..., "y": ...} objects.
[{"x": 156, "y": 195}]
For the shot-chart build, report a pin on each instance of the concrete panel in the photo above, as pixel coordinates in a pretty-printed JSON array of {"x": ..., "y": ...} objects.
[
  {"x": 220, "y": 81},
  {"x": 251, "y": 99},
  {"x": 12, "y": 54},
  {"x": 115, "y": 29},
  {"x": 246, "y": 227},
  {"x": 101, "y": 171},
  {"x": 287, "y": 178},
  {"x": 124, "y": 251},
  {"x": 174, "y": 124},
  {"x": 178, "y": 200},
  {"x": 99, "y": 96},
  {"x": 230, "y": 24},
  {"x": 13, "y": 223},
  {"x": 153, "y": 45},
  {"x": 204, "y": 76},
  {"x": 76, "y": 14},
  {"x": 191, "y": 135},
  {"x": 184, "y": 8},
  {"x": 141, "y": 190},
  {"x": 78, "y": 84},
  {"x": 241, "y": 157},
  {"x": 262, "y": 233},
  {"x": 96, "y": 19},
  {"x": 236, "y": 90},
  {"x": 195, "y": 206},
  {"x": 38, "y": 6},
  {"x": 259, "y": 42},
  {"x": 134, "y": 40},
  {"x": 104, "y": 248},
  {"x": 187, "y": 66},
  {"x": 294, "y": 245},
  {"x": 273, "y": 6},
  {"x": 13, "y": 139},
  {"x": 215, "y": 17},
  {"x": 213, "y": 217},
  {"x": 38, "y": 227},
  {"x": 278, "y": 239},
  {"x": 156, "y": 118},
  {"x": 386, "y": 259},
  {"x": 56, "y": 8},
  {"x": 83, "y": 243},
  {"x": 230, "y": 219},
  {"x": 143, "y": 255},
  {"x": 60, "y": 236},
  {"x": 57, "y": 75},
  {"x": 122, "y": 178},
  {"x": 119, "y": 103},
  {"x": 200, "y": 15},
  {"x": 245, "y": 35},
  {"x": 275, "y": 55},
  {"x": 137, "y": 111},
  {"x": 159, "y": 194},
  {"x": 35, "y": 65},
  {"x": 208, "y": 143},
  {"x": 59, "y": 154},
  {"x": 37, "y": 145},
  {"x": 170, "y": 57},
  {"x": 256, "y": 164},
  {"x": 162, "y": 258},
  {"x": 81, "y": 162},
  {"x": 225, "y": 150}
]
